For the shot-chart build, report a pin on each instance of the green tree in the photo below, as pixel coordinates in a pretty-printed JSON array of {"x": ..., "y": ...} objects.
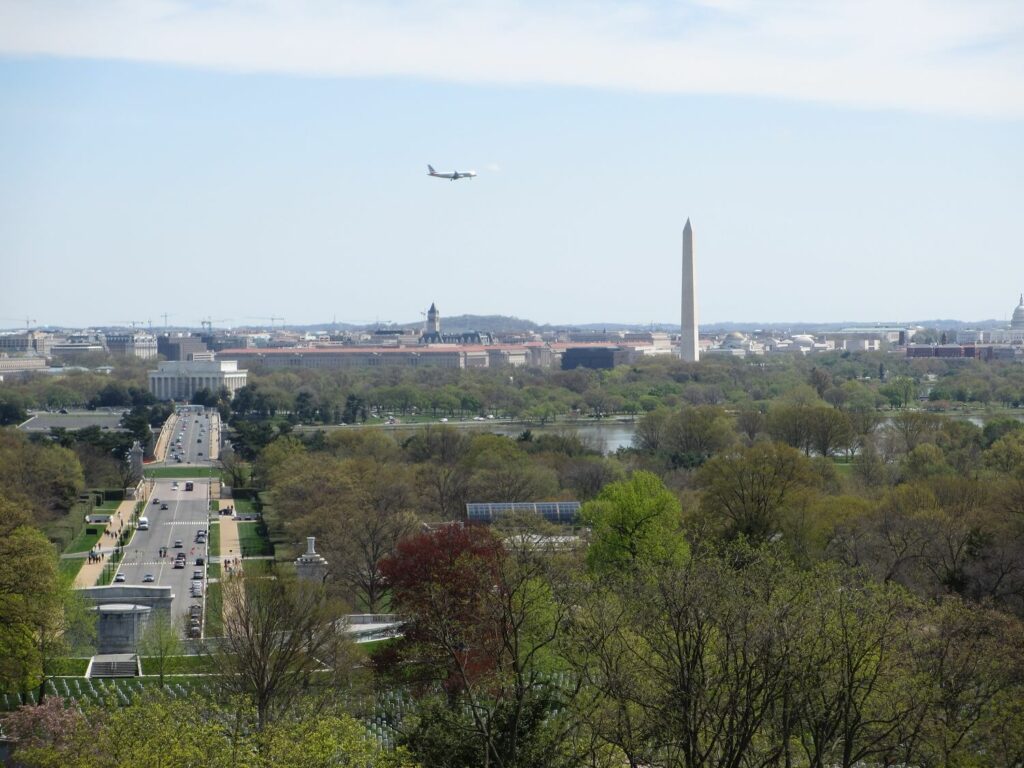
[
  {"x": 634, "y": 524},
  {"x": 749, "y": 491}
]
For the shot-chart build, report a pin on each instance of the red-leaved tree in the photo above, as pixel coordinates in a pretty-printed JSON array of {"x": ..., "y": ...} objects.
[{"x": 438, "y": 580}]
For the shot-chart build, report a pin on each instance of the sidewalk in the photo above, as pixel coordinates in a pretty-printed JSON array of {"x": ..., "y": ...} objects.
[
  {"x": 164, "y": 439},
  {"x": 214, "y": 436},
  {"x": 230, "y": 550},
  {"x": 90, "y": 572}
]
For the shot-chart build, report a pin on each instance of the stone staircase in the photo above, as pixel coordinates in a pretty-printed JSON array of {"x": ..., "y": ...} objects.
[{"x": 114, "y": 667}]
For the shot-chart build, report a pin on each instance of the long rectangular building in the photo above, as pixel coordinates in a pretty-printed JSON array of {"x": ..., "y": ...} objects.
[{"x": 440, "y": 356}]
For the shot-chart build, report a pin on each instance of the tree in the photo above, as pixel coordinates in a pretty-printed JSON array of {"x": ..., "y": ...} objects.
[
  {"x": 749, "y": 490},
  {"x": 281, "y": 642},
  {"x": 634, "y": 523},
  {"x": 161, "y": 641},
  {"x": 484, "y": 623},
  {"x": 30, "y": 601}
]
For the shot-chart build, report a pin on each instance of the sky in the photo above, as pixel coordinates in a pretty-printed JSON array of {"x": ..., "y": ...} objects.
[{"x": 245, "y": 159}]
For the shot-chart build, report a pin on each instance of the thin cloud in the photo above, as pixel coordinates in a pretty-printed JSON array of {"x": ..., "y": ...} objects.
[{"x": 959, "y": 57}]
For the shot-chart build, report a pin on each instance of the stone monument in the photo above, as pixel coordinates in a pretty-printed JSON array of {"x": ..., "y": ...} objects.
[{"x": 310, "y": 565}]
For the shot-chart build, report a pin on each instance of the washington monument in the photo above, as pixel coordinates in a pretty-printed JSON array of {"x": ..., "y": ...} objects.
[{"x": 688, "y": 349}]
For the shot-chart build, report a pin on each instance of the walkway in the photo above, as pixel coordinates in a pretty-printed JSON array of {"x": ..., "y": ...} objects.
[
  {"x": 90, "y": 573},
  {"x": 230, "y": 550},
  {"x": 164, "y": 439}
]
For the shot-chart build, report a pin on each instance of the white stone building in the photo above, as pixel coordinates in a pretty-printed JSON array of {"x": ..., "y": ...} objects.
[{"x": 181, "y": 379}]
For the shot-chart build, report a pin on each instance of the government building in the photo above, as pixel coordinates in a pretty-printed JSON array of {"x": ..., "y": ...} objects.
[{"x": 181, "y": 379}]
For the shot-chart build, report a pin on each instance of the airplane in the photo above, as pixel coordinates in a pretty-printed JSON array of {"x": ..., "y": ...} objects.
[{"x": 454, "y": 175}]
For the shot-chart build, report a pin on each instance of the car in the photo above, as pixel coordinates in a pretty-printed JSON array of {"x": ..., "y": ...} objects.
[
  {"x": 179, "y": 563},
  {"x": 148, "y": 578},
  {"x": 194, "y": 632},
  {"x": 156, "y": 500},
  {"x": 197, "y": 575},
  {"x": 199, "y": 454},
  {"x": 119, "y": 578},
  {"x": 199, "y": 439},
  {"x": 200, "y": 561},
  {"x": 163, "y": 506},
  {"x": 178, "y": 544}
]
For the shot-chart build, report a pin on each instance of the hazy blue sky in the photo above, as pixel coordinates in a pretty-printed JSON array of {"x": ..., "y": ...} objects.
[{"x": 248, "y": 158}]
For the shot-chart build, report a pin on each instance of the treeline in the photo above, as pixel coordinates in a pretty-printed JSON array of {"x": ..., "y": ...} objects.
[{"x": 653, "y": 648}]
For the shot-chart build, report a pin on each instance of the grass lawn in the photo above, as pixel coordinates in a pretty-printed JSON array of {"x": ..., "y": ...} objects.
[
  {"x": 67, "y": 667},
  {"x": 213, "y": 570},
  {"x": 366, "y": 649},
  {"x": 161, "y": 472},
  {"x": 85, "y": 540},
  {"x": 214, "y": 542},
  {"x": 70, "y": 567},
  {"x": 252, "y": 537},
  {"x": 214, "y": 505},
  {"x": 244, "y": 506},
  {"x": 257, "y": 567},
  {"x": 177, "y": 665},
  {"x": 108, "y": 506},
  {"x": 214, "y": 606}
]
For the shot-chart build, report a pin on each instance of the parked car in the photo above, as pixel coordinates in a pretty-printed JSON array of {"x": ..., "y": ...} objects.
[
  {"x": 200, "y": 561},
  {"x": 197, "y": 575}
]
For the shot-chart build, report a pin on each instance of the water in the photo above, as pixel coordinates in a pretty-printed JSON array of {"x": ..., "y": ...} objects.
[{"x": 605, "y": 436}]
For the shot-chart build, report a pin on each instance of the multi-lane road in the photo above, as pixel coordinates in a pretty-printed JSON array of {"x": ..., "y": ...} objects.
[{"x": 175, "y": 516}]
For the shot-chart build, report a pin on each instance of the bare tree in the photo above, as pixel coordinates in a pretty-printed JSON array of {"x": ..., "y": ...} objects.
[
  {"x": 160, "y": 642},
  {"x": 282, "y": 641}
]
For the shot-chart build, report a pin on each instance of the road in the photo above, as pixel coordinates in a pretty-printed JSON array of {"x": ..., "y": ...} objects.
[{"x": 187, "y": 512}]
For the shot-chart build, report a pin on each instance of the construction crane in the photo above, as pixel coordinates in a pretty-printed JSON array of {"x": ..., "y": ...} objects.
[
  {"x": 271, "y": 319},
  {"x": 27, "y": 320},
  {"x": 165, "y": 315},
  {"x": 208, "y": 322}
]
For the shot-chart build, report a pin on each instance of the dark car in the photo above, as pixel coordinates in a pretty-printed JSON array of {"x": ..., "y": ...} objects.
[
  {"x": 200, "y": 561},
  {"x": 163, "y": 506}
]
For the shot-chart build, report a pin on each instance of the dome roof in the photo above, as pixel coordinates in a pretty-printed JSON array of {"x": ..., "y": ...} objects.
[{"x": 1018, "y": 315}]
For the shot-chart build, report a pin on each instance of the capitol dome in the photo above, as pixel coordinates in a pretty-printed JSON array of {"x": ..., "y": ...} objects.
[{"x": 1018, "y": 316}]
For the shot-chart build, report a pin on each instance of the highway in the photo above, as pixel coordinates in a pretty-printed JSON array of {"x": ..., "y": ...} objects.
[{"x": 187, "y": 512}]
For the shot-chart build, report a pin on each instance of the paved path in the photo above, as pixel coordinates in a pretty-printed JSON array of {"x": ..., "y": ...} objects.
[
  {"x": 230, "y": 550},
  {"x": 214, "y": 436},
  {"x": 90, "y": 572},
  {"x": 164, "y": 439}
]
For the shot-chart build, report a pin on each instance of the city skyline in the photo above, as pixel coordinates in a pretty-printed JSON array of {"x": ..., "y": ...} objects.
[{"x": 292, "y": 183}]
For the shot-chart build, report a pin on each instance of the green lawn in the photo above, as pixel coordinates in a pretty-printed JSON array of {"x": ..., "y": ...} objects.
[
  {"x": 177, "y": 665},
  {"x": 214, "y": 505},
  {"x": 161, "y": 472},
  {"x": 69, "y": 567},
  {"x": 67, "y": 667},
  {"x": 252, "y": 538},
  {"x": 108, "y": 506},
  {"x": 244, "y": 506},
  {"x": 214, "y": 602},
  {"x": 214, "y": 543},
  {"x": 213, "y": 570},
  {"x": 257, "y": 567},
  {"x": 85, "y": 540}
]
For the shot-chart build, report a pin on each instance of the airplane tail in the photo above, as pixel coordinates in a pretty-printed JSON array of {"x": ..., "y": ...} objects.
[{"x": 430, "y": 169}]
